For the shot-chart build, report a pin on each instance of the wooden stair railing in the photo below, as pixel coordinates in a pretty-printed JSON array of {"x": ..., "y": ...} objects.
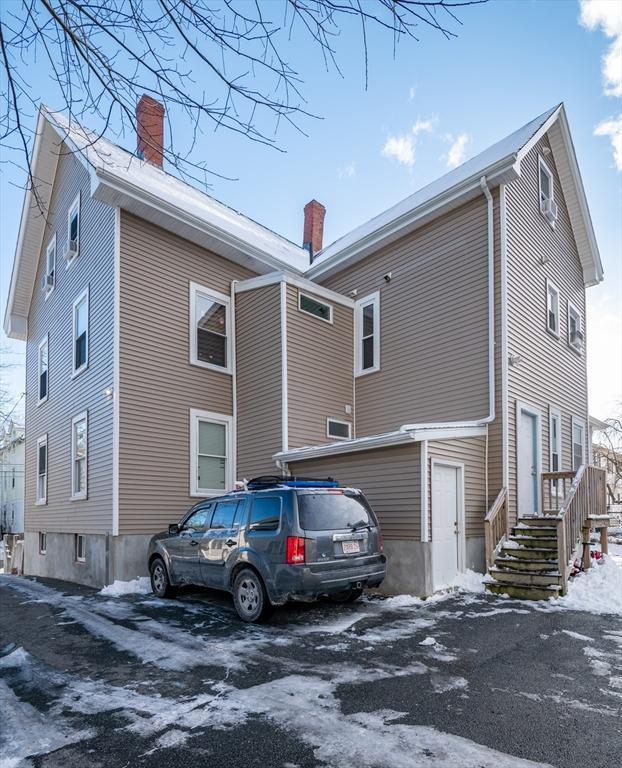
[
  {"x": 585, "y": 498},
  {"x": 496, "y": 526}
]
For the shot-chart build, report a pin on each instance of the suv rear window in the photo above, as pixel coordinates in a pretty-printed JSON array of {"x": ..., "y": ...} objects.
[{"x": 333, "y": 511}]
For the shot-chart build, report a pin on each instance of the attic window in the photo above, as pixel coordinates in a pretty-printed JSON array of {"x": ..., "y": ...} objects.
[
  {"x": 548, "y": 206},
  {"x": 49, "y": 278}
]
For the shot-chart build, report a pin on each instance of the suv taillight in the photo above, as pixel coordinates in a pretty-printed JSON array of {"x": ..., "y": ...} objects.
[
  {"x": 380, "y": 540},
  {"x": 295, "y": 550}
]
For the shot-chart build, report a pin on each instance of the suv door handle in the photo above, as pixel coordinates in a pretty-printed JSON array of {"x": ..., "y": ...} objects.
[
  {"x": 231, "y": 542},
  {"x": 194, "y": 543}
]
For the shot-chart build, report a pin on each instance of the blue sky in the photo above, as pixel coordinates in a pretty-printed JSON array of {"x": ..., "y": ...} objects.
[{"x": 511, "y": 61}]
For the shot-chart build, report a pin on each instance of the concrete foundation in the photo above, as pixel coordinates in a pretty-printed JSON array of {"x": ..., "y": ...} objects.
[
  {"x": 107, "y": 558},
  {"x": 476, "y": 554},
  {"x": 409, "y": 568}
]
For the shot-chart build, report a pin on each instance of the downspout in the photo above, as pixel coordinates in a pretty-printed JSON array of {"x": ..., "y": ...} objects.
[
  {"x": 234, "y": 387},
  {"x": 503, "y": 275},
  {"x": 491, "y": 320}
]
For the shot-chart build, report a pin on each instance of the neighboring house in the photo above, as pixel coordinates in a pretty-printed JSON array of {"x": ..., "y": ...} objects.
[
  {"x": 611, "y": 461},
  {"x": 432, "y": 357},
  {"x": 11, "y": 478}
]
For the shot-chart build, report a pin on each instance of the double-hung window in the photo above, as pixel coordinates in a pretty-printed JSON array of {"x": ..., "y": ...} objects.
[
  {"x": 555, "y": 440},
  {"x": 43, "y": 370},
  {"x": 81, "y": 333},
  {"x": 42, "y": 470},
  {"x": 49, "y": 278},
  {"x": 73, "y": 231},
  {"x": 367, "y": 334},
  {"x": 552, "y": 308},
  {"x": 79, "y": 456},
  {"x": 211, "y": 469},
  {"x": 575, "y": 331},
  {"x": 210, "y": 329},
  {"x": 548, "y": 207},
  {"x": 578, "y": 443}
]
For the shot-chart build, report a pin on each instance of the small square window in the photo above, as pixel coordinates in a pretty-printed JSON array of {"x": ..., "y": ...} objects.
[
  {"x": 43, "y": 543},
  {"x": 312, "y": 306},
  {"x": 552, "y": 308},
  {"x": 80, "y": 548},
  {"x": 338, "y": 430}
]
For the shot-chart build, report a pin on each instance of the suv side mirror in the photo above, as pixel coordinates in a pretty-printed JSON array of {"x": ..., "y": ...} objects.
[{"x": 173, "y": 528}]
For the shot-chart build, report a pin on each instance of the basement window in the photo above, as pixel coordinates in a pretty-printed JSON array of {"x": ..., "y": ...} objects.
[
  {"x": 312, "y": 306},
  {"x": 43, "y": 543},
  {"x": 80, "y": 548},
  {"x": 338, "y": 430}
]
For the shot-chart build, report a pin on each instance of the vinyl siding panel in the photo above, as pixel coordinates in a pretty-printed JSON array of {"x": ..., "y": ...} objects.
[
  {"x": 390, "y": 478},
  {"x": 319, "y": 371},
  {"x": 433, "y": 324},
  {"x": 258, "y": 331},
  {"x": 472, "y": 453},
  {"x": 92, "y": 268},
  {"x": 550, "y": 372},
  {"x": 158, "y": 385}
]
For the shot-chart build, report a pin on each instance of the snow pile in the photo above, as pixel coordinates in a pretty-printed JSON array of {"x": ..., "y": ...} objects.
[
  {"x": 139, "y": 586},
  {"x": 469, "y": 581},
  {"x": 598, "y": 590}
]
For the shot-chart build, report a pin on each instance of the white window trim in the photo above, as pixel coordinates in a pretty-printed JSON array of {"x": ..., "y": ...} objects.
[
  {"x": 40, "y": 500},
  {"x": 79, "y": 559},
  {"x": 72, "y": 208},
  {"x": 83, "y": 296},
  {"x": 338, "y": 421},
  {"x": 549, "y": 173},
  {"x": 318, "y": 301},
  {"x": 45, "y": 342},
  {"x": 576, "y": 422},
  {"x": 50, "y": 246},
  {"x": 221, "y": 298},
  {"x": 373, "y": 298},
  {"x": 572, "y": 308},
  {"x": 555, "y": 413},
  {"x": 84, "y": 416},
  {"x": 550, "y": 286},
  {"x": 197, "y": 416},
  {"x": 43, "y": 538}
]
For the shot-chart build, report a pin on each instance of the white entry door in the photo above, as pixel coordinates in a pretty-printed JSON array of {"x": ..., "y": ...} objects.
[
  {"x": 528, "y": 460},
  {"x": 446, "y": 523}
]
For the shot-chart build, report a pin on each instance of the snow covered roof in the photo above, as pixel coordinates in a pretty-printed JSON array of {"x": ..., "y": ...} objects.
[
  {"x": 500, "y": 163},
  {"x": 121, "y": 179}
]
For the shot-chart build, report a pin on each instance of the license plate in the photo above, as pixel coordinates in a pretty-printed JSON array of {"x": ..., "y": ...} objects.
[{"x": 349, "y": 547}]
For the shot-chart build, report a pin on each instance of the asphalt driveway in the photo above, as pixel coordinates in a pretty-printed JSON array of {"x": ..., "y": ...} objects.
[{"x": 468, "y": 680}]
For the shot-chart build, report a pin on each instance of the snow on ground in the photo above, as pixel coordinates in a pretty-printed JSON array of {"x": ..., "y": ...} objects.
[
  {"x": 139, "y": 586},
  {"x": 597, "y": 590}
]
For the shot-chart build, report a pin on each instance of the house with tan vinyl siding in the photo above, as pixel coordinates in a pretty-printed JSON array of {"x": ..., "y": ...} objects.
[{"x": 433, "y": 357}]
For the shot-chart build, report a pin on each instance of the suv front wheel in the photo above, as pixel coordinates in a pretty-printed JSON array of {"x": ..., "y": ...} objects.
[
  {"x": 250, "y": 597},
  {"x": 160, "y": 583}
]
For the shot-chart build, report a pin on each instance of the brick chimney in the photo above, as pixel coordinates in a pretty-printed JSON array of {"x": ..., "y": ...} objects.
[
  {"x": 150, "y": 130},
  {"x": 313, "y": 233}
]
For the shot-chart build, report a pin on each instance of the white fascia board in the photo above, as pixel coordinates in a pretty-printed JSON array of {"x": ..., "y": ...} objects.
[
  {"x": 272, "y": 278},
  {"x": 526, "y": 148},
  {"x": 353, "y": 247}
]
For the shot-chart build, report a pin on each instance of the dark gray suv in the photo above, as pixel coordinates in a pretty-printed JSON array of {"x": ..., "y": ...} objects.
[{"x": 280, "y": 539}]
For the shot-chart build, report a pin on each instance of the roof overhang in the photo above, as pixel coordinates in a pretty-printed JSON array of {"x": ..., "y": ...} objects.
[{"x": 408, "y": 434}]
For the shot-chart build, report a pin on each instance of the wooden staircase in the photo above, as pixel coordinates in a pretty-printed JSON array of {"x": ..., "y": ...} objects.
[{"x": 532, "y": 560}]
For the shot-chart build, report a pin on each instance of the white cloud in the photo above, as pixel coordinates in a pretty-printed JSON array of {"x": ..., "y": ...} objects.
[
  {"x": 612, "y": 128},
  {"x": 607, "y": 14},
  {"x": 457, "y": 150},
  {"x": 401, "y": 148},
  {"x": 347, "y": 171}
]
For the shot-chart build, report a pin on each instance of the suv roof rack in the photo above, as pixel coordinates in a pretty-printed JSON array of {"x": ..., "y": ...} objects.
[{"x": 270, "y": 481}]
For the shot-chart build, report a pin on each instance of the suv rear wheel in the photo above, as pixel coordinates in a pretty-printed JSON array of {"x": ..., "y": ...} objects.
[
  {"x": 160, "y": 583},
  {"x": 250, "y": 597}
]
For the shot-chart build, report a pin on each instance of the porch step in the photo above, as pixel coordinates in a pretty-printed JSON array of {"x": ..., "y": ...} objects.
[
  {"x": 535, "y": 542},
  {"x": 537, "y": 522},
  {"x": 523, "y": 591},
  {"x": 530, "y": 579},
  {"x": 530, "y": 553},
  {"x": 523, "y": 564},
  {"x": 540, "y": 531}
]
